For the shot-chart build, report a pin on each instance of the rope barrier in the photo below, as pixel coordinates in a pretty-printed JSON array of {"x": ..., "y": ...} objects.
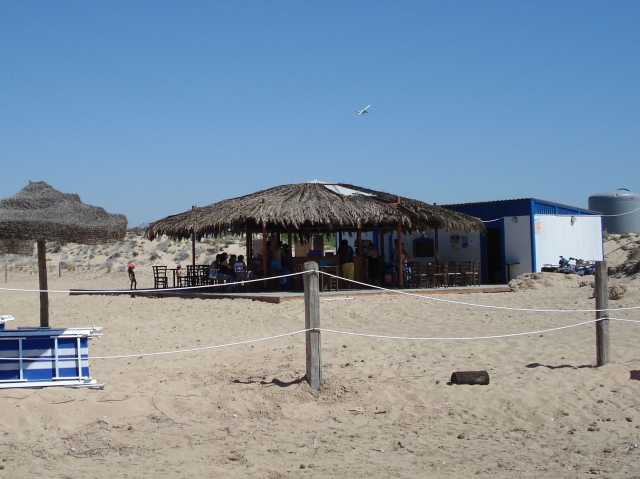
[
  {"x": 133, "y": 291},
  {"x": 405, "y": 293},
  {"x": 376, "y": 336},
  {"x": 625, "y": 320},
  {"x": 601, "y": 215},
  {"x": 161, "y": 353},
  {"x": 621, "y": 214},
  {"x": 507, "y": 308},
  {"x": 511, "y": 335}
]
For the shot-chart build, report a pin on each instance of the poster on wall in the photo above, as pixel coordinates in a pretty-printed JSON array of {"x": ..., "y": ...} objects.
[
  {"x": 538, "y": 225},
  {"x": 455, "y": 242}
]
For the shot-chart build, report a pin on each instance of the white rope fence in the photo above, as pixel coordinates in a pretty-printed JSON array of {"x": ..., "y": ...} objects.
[
  {"x": 603, "y": 216},
  {"x": 476, "y": 305},
  {"x": 473, "y": 338},
  {"x": 147, "y": 290},
  {"x": 370, "y": 286},
  {"x": 348, "y": 333},
  {"x": 162, "y": 353}
]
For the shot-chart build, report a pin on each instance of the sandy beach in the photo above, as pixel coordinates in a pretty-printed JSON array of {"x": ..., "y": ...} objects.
[{"x": 385, "y": 409}]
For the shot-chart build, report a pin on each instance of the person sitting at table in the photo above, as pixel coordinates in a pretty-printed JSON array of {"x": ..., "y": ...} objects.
[
  {"x": 239, "y": 265},
  {"x": 256, "y": 266},
  {"x": 218, "y": 270},
  {"x": 240, "y": 269},
  {"x": 223, "y": 266},
  {"x": 276, "y": 258},
  {"x": 286, "y": 256},
  {"x": 232, "y": 261}
]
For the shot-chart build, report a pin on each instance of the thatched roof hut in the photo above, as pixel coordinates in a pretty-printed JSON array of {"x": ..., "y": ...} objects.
[
  {"x": 40, "y": 213},
  {"x": 309, "y": 208}
]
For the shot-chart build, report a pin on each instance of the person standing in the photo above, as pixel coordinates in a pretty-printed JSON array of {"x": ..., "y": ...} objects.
[
  {"x": 345, "y": 253},
  {"x": 373, "y": 263},
  {"x": 132, "y": 276}
]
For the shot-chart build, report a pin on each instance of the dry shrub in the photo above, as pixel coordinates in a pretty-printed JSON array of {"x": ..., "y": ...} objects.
[{"x": 617, "y": 291}]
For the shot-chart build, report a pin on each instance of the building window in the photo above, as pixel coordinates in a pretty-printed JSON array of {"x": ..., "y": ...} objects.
[{"x": 423, "y": 248}]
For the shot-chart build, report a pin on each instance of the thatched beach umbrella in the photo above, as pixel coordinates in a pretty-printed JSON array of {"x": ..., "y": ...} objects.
[
  {"x": 312, "y": 207},
  {"x": 40, "y": 213}
]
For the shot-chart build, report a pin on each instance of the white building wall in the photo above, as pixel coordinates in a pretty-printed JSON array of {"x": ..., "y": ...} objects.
[
  {"x": 517, "y": 241},
  {"x": 555, "y": 236},
  {"x": 459, "y": 246}
]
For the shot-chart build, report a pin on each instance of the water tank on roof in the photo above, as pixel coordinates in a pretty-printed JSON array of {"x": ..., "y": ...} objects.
[{"x": 620, "y": 209}]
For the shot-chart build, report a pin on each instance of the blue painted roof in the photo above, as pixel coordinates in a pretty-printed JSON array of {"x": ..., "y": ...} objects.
[{"x": 489, "y": 210}]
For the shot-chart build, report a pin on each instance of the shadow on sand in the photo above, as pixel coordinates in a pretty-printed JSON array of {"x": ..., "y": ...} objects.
[
  {"x": 274, "y": 381},
  {"x": 561, "y": 366}
]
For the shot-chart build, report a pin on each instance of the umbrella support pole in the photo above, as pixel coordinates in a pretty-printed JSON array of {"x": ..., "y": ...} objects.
[{"x": 42, "y": 276}]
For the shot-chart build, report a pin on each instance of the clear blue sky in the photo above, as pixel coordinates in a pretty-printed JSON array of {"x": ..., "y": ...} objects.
[{"x": 147, "y": 108}]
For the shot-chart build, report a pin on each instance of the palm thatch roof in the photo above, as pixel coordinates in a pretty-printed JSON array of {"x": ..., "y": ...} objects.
[
  {"x": 40, "y": 212},
  {"x": 312, "y": 207}
]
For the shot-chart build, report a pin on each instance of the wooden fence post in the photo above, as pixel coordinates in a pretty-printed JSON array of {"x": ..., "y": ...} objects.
[
  {"x": 312, "y": 320},
  {"x": 602, "y": 304}
]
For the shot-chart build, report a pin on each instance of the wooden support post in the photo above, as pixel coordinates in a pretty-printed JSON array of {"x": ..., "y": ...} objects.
[
  {"x": 248, "y": 246},
  {"x": 437, "y": 245},
  {"x": 5, "y": 273},
  {"x": 59, "y": 269},
  {"x": 602, "y": 304},
  {"x": 264, "y": 254},
  {"x": 312, "y": 320},
  {"x": 399, "y": 259},
  {"x": 193, "y": 245},
  {"x": 42, "y": 277}
]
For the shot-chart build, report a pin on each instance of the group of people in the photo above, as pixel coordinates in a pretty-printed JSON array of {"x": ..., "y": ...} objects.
[
  {"x": 228, "y": 267},
  {"x": 374, "y": 265},
  {"x": 347, "y": 266},
  {"x": 225, "y": 267},
  {"x": 233, "y": 267}
]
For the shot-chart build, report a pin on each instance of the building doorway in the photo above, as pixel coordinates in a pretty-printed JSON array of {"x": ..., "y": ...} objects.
[{"x": 495, "y": 264}]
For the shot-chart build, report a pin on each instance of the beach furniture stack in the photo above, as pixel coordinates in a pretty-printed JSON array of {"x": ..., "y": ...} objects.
[{"x": 42, "y": 356}]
